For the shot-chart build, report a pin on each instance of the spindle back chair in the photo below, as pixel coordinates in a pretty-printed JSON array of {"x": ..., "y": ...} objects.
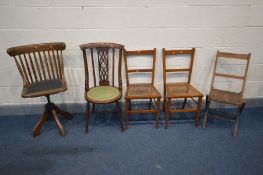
[
  {"x": 42, "y": 70},
  {"x": 104, "y": 71},
  {"x": 141, "y": 90},
  {"x": 180, "y": 90},
  {"x": 227, "y": 96}
]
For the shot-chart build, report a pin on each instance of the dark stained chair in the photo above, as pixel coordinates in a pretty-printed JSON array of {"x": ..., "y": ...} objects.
[
  {"x": 180, "y": 90},
  {"x": 226, "y": 96},
  {"x": 42, "y": 70},
  {"x": 141, "y": 91},
  {"x": 102, "y": 90}
]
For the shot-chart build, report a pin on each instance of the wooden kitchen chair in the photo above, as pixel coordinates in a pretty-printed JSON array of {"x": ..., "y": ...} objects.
[
  {"x": 226, "y": 96},
  {"x": 102, "y": 90},
  {"x": 42, "y": 70},
  {"x": 141, "y": 90},
  {"x": 180, "y": 90}
]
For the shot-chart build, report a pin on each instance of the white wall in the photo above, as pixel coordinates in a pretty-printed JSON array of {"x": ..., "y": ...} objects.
[{"x": 207, "y": 25}]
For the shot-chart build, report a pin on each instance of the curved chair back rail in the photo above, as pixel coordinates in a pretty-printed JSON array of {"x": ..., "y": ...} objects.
[
  {"x": 106, "y": 53},
  {"x": 39, "y": 62}
]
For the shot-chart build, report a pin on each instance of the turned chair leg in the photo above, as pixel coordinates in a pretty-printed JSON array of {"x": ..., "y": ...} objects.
[
  {"x": 206, "y": 110},
  {"x": 167, "y": 110},
  {"x": 197, "y": 115},
  {"x": 119, "y": 111},
  {"x": 87, "y": 117},
  {"x": 37, "y": 128},
  {"x": 127, "y": 103},
  {"x": 157, "y": 112}
]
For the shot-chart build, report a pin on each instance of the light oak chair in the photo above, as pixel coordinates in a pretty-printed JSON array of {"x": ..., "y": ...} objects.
[
  {"x": 180, "y": 90},
  {"x": 141, "y": 90},
  {"x": 227, "y": 96},
  {"x": 42, "y": 70},
  {"x": 103, "y": 70}
]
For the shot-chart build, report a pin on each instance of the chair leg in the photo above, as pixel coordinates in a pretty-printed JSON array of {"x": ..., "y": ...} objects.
[
  {"x": 94, "y": 114},
  {"x": 119, "y": 111},
  {"x": 37, "y": 128},
  {"x": 167, "y": 110},
  {"x": 127, "y": 103},
  {"x": 237, "y": 120},
  {"x": 164, "y": 103},
  {"x": 65, "y": 114},
  {"x": 185, "y": 100},
  {"x": 87, "y": 117},
  {"x": 59, "y": 125},
  {"x": 207, "y": 103},
  {"x": 157, "y": 112},
  {"x": 197, "y": 116}
]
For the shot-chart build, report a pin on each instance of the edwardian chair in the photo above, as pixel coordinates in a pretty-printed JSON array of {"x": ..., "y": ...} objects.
[
  {"x": 180, "y": 89},
  {"x": 141, "y": 90},
  {"x": 42, "y": 70},
  {"x": 228, "y": 96},
  {"x": 104, "y": 90}
]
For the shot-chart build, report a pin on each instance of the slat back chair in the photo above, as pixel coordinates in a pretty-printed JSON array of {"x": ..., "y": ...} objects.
[
  {"x": 103, "y": 70},
  {"x": 141, "y": 90},
  {"x": 42, "y": 70},
  {"x": 227, "y": 96},
  {"x": 180, "y": 90}
]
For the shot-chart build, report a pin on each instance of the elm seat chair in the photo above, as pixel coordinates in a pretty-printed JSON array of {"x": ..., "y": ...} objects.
[
  {"x": 180, "y": 90},
  {"x": 141, "y": 90},
  {"x": 226, "y": 96},
  {"x": 104, "y": 89},
  {"x": 42, "y": 70}
]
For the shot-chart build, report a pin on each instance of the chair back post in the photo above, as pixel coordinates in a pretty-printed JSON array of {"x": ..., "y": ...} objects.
[
  {"x": 164, "y": 72},
  {"x": 119, "y": 68},
  {"x": 39, "y": 62},
  {"x": 86, "y": 69},
  {"x": 245, "y": 76},
  {"x": 214, "y": 71},
  {"x": 191, "y": 65}
]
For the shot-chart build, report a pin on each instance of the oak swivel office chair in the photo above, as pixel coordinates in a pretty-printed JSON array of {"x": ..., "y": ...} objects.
[{"x": 42, "y": 70}]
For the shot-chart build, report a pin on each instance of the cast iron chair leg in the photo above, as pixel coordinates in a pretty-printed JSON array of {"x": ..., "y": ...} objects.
[
  {"x": 206, "y": 110},
  {"x": 37, "y": 128}
]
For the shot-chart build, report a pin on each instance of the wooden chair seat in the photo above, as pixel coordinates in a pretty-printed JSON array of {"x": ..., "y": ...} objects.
[
  {"x": 103, "y": 94},
  {"x": 226, "y": 97},
  {"x": 142, "y": 91},
  {"x": 181, "y": 90},
  {"x": 43, "y": 88}
]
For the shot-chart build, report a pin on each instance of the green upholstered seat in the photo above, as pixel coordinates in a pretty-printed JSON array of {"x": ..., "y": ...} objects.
[{"x": 103, "y": 93}]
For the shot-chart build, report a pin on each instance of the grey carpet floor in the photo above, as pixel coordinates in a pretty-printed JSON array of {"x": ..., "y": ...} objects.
[{"x": 142, "y": 149}]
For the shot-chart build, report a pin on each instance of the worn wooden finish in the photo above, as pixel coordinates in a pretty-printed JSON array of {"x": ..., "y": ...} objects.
[
  {"x": 141, "y": 90},
  {"x": 224, "y": 96},
  {"x": 180, "y": 90},
  {"x": 100, "y": 70},
  {"x": 38, "y": 63}
]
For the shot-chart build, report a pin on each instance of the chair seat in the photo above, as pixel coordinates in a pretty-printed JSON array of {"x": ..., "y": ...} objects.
[
  {"x": 142, "y": 91},
  {"x": 181, "y": 90},
  {"x": 103, "y": 94},
  {"x": 226, "y": 97},
  {"x": 43, "y": 88}
]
